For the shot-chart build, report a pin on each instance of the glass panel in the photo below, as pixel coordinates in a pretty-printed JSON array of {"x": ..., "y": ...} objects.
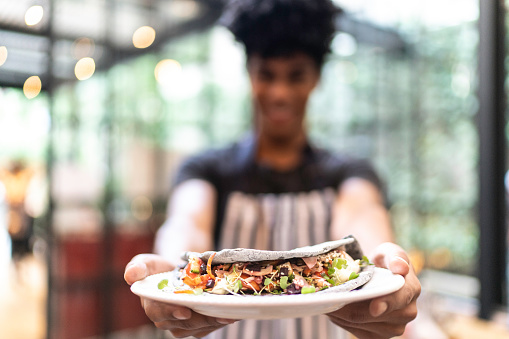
[
  {"x": 120, "y": 134},
  {"x": 410, "y": 110}
]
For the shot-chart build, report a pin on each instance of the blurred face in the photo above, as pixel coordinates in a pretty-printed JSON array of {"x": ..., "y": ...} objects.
[{"x": 280, "y": 88}]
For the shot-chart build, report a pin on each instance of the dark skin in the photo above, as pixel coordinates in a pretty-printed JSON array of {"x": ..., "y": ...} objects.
[{"x": 280, "y": 91}]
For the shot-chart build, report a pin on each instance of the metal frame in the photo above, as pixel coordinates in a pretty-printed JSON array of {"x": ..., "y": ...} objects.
[
  {"x": 115, "y": 56},
  {"x": 211, "y": 11},
  {"x": 492, "y": 156}
]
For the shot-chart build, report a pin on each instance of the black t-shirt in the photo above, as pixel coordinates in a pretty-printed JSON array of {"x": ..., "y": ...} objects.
[{"x": 260, "y": 207}]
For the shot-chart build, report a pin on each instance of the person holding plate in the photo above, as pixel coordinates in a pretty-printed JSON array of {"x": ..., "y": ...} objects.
[{"x": 274, "y": 190}]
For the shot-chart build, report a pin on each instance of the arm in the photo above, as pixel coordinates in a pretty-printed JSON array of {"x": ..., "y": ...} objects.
[
  {"x": 359, "y": 210},
  {"x": 189, "y": 227}
]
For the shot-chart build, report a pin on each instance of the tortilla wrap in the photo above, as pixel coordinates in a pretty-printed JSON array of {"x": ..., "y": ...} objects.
[
  {"x": 243, "y": 257},
  {"x": 228, "y": 256}
]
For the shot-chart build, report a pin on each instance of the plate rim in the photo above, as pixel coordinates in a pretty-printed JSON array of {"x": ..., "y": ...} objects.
[{"x": 367, "y": 291}]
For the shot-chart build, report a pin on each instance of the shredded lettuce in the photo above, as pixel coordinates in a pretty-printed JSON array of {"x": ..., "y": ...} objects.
[
  {"x": 283, "y": 282},
  {"x": 353, "y": 275}
]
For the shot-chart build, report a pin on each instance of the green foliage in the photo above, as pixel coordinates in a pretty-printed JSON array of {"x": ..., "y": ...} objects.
[{"x": 412, "y": 114}]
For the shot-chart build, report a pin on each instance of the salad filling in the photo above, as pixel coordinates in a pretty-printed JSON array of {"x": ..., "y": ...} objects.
[{"x": 287, "y": 276}]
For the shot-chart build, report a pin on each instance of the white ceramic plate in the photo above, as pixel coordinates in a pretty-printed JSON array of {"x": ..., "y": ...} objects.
[{"x": 271, "y": 306}]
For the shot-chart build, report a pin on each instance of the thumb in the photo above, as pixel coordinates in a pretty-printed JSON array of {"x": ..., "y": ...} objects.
[
  {"x": 393, "y": 257},
  {"x": 134, "y": 271},
  {"x": 144, "y": 265}
]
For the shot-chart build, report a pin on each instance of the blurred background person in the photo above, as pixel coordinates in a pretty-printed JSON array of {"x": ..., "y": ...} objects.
[{"x": 16, "y": 180}]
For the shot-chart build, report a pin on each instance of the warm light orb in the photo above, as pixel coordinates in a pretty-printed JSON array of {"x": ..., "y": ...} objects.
[
  {"x": 141, "y": 208},
  {"x": 82, "y": 47},
  {"x": 84, "y": 68},
  {"x": 143, "y": 37},
  {"x": 167, "y": 71},
  {"x": 34, "y": 15},
  {"x": 187, "y": 9},
  {"x": 32, "y": 87},
  {"x": 3, "y": 55}
]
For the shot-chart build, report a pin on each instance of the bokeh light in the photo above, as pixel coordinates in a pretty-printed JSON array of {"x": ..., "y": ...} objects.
[
  {"x": 347, "y": 72},
  {"x": 3, "y": 55},
  {"x": 34, "y": 15},
  {"x": 85, "y": 68},
  {"x": 460, "y": 81},
  {"x": 32, "y": 87},
  {"x": 143, "y": 37},
  {"x": 167, "y": 71},
  {"x": 82, "y": 47},
  {"x": 141, "y": 208},
  {"x": 344, "y": 45}
]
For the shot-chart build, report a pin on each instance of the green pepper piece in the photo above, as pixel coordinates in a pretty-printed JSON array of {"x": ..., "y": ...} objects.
[
  {"x": 162, "y": 284},
  {"x": 307, "y": 290}
]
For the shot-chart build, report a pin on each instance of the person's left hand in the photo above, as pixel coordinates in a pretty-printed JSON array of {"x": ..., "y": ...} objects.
[{"x": 386, "y": 316}]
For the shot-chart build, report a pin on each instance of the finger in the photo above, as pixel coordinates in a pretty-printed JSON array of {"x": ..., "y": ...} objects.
[
  {"x": 179, "y": 317},
  {"x": 356, "y": 313},
  {"x": 160, "y": 312},
  {"x": 206, "y": 331},
  {"x": 397, "y": 300},
  {"x": 197, "y": 324},
  {"x": 144, "y": 265},
  {"x": 373, "y": 331},
  {"x": 393, "y": 257},
  {"x": 358, "y": 332},
  {"x": 135, "y": 271},
  {"x": 180, "y": 333},
  {"x": 388, "y": 327},
  {"x": 200, "y": 321},
  {"x": 353, "y": 313}
]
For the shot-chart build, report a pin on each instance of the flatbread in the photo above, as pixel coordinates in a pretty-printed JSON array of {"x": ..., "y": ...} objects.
[{"x": 227, "y": 256}]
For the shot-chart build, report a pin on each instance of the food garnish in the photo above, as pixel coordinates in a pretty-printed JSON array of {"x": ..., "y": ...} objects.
[{"x": 280, "y": 277}]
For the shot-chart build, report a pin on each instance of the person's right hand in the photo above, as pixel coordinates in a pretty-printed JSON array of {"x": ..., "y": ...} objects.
[{"x": 180, "y": 321}]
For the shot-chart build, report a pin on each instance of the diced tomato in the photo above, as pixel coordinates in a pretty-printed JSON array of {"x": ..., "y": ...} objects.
[
  {"x": 193, "y": 282},
  {"x": 319, "y": 273},
  {"x": 196, "y": 264},
  {"x": 204, "y": 278},
  {"x": 188, "y": 271},
  {"x": 250, "y": 285},
  {"x": 198, "y": 281}
]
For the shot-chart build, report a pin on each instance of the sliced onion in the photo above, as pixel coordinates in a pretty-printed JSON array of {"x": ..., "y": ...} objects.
[
  {"x": 262, "y": 272},
  {"x": 310, "y": 261},
  {"x": 209, "y": 265}
]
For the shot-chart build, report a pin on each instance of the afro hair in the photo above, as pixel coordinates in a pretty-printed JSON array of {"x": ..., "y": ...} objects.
[{"x": 273, "y": 28}]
